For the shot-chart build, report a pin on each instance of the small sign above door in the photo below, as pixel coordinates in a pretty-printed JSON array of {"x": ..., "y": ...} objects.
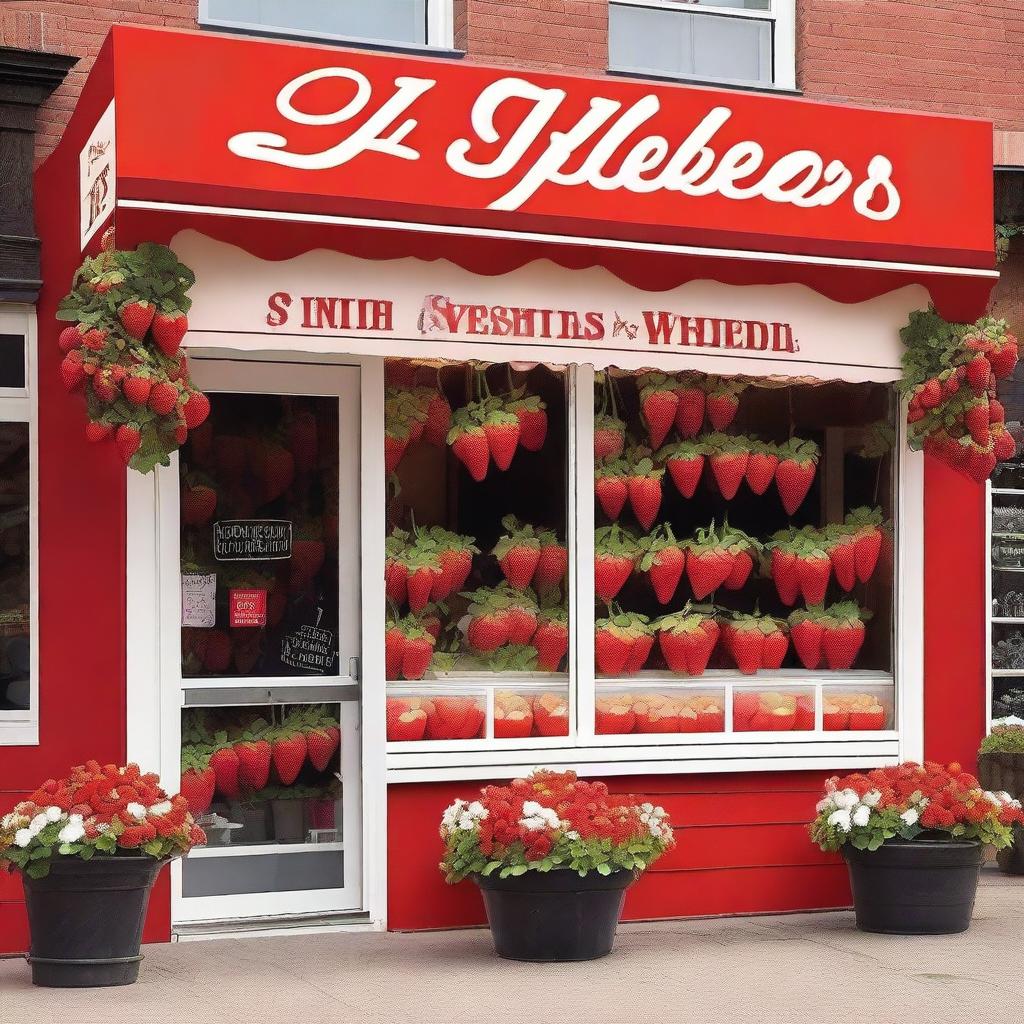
[{"x": 252, "y": 540}]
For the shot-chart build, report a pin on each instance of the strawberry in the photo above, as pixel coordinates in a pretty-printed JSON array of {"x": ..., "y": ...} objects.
[
  {"x": 277, "y": 471},
  {"x": 804, "y": 721},
  {"x": 72, "y": 372},
  {"x": 394, "y": 648},
  {"x": 929, "y": 394},
  {"x": 396, "y": 440},
  {"x": 673, "y": 644},
  {"x": 96, "y": 431},
  {"x": 456, "y": 558},
  {"x": 784, "y": 571},
  {"x": 533, "y": 422},
  {"x": 517, "y": 552},
  {"x": 522, "y": 624},
  {"x": 843, "y": 635},
  {"x": 471, "y": 447},
  {"x": 728, "y": 458},
  {"x": 128, "y": 440},
  {"x": 321, "y": 743},
  {"x": 834, "y": 718},
  {"x": 308, "y": 555},
  {"x": 70, "y": 337},
  {"x": 253, "y": 760},
  {"x": 806, "y": 633},
  {"x": 163, "y": 397},
  {"x": 709, "y": 562},
  {"x": 196, "y": 409},
  {"x": 288, "y": 752},
  {"x": 814, "y": 570},
  {"x": 135, "y": 836},
  {"x": 690, "y": 407},
  {"x": 639, "y": 654},
  {"x": 658, "y": 405},
  {"x": 552, "y": 564},
  {"x": 1003, "y": 360},
  {"x": 615, "y": 556},
  {"x": 551, "y": 714},
  {"x": 745, "y": 641},
  {"x": 613, "y": 642},
  {"x": 610, "y": 488},
  {"x": 513, "y": 716},
  {"x": 869, "y": 719},
  {"x": 502, "y": 431},
  {"x": 868, "y": 540},
  {"x": 136, "y": 316},
  {"x": 404, "y": 723},
  {"x": 198, "y": 503},
  {"x": 742, "y": 566},
  {"x": 453, "y": 718},
  {"x": 609, "y": 437},
  {"x": 722, "y": 401},
  {"x": 224, "y": 762},
  {"x": 687, "y": 640},
  {"x": 798, "y": 461},
  {"x": 842, "y": 553},
  {"x": 420, "y": 583},
  {"x": 978, "y": 374},
  {"x": 685, "y": 463},
  {"x": 439, "y": 420},
  {"x": 761, "y": 467},
  {"x": 776, "y": 646},
  {"x": 136, "y": 389},
  {"x": 488, "y": 628},
  {"x": 614, "y": 716},
  {"x": 663, "y": 560},
  {"x": 197, "y": 787},
  {"x": 417, "y": 653},
  {"x": 745, "y": 706},
  {"x": 551, "y": 641},
  {"x": 643, "y": 485},
  {"x": 95, "y": 340},
  {"x": 976, "y": 421},
  {"x": 168, "y": 331},
  {"x": 1004, "y": 448},
  {"x": 396, "y": 576},
  {"x": 104, "y": 387}
]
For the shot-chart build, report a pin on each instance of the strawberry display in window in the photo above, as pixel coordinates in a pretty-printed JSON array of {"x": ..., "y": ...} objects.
[
  {"x": 643, "y": 643},
  {"x": 656, "y": 713},
  {"x": 198, "y": 779},
  {"x": 842, "y": 634},
  {"x": 551, "y": 714},
  {"x": 609, "y": 437},
  {"x": 687, "y": 640},
  {"x": 533, "y": 421},
  {"x": 614, "y": 716},
  {"x": 403, "y": 721},
  {"x": 614, "y": 639},
  {"x": 610, "y": 487},
  {"x": 518, "y": 552},
  {"x": 723, "y": 400},
  {"x": 513, "y": 716},
  {"x": 552, "y": 564},
  {"x": 754, "y": 642},
  {"x": 761, "y": 466},
  {"x": 663, "y": 558},
  {"x": 709, "y": 561},
  {"x": 745, "y": 550},
  {"x": 551, "y": 639},
  {"x": 659, "y": 402},
  {"x": 691, "y": 401},
  {"x": 770, "y": 711},
  {"x": 728, "y": 457},
  {"x": 798, "y": 462}
]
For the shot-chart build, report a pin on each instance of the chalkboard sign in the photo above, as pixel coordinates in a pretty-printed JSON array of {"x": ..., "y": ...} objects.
[
  {"x": 252, "y": 540},
  {"x": 311, "y": 649}
]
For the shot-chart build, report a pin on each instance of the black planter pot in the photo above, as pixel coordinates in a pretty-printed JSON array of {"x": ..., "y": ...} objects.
[
  {"x": 554, "y": 916},
  {"x": 85, "y": 920},
  {"x": 924, "y": 887}
]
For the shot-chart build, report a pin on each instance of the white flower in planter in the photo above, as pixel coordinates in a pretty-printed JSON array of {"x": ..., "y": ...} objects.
[
  {"x": 54, "y": 814},
  {"x": 38, "y": 823},
  {"x": 909, "y": 816},
  {"x": 846, "y": 799},
  {"x": 871, "y": 798},
  {"x": 164, "y": 807},
  {"x": 73, "y": 830},
  {"x": 22, "y": 837},
  {"x": 861, "y": 816},
  {"x": 137, "y": 811},
  {"x": 841, "y": 819}
]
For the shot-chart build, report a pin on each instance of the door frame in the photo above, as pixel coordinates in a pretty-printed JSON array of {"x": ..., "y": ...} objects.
[{"x": 150, "y": 703}]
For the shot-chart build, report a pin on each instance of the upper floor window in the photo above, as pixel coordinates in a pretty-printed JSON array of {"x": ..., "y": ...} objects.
[
  {"x": 731, "y": 42},
  {"x": 18, "y": 489},
  {"x": 412, "y": 23}
]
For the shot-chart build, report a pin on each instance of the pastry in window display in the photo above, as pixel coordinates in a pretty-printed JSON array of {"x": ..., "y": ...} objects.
[
  {"x": 768, "y": 711},
  {"x": 854, "y": 711},
  {"x": 513, "y": 716},
  {"x": 551, "y": 714}
]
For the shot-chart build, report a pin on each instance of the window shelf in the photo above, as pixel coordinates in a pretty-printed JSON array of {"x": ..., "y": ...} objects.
[{"x": 263, "y": 849}]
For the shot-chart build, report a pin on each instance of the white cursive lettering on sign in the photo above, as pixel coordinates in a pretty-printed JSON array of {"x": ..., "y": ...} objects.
[{"x": 692, "y": 166}]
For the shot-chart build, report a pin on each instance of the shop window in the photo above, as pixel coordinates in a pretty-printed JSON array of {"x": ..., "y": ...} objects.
[
  {"x": 259, "y": 539},
  {"x": 743, "y": 555},
  {"x": 18, "y": 597},
  {"x": 729, "y": 42},
  {"x": 414, "y": 23},
  {"x": 477, "y": 565}
]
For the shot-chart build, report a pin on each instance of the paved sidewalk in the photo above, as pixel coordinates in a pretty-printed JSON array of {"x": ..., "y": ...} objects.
[{"x": 810, "y": 967}]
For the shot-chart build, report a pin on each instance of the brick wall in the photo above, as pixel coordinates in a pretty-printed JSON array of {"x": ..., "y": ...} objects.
[{"x": 950, "y": 55}]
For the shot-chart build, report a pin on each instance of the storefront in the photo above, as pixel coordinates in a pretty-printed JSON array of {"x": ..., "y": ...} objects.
[{"x": 425, "y": 293}]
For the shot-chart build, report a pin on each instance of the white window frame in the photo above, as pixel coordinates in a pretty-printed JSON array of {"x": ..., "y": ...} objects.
[
  {"x": 781, "y": 14},
  {"x": 440, "y": 29},
  {"x": 19, "y": 405}
]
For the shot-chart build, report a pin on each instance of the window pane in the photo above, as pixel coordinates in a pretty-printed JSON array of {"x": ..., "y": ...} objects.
[
  {"x": 476, "y": 563},
  {"x": 403, "y": 21},
  {"x": 12, "y": 361},
  {"x": 684, "y": 43},
  {"x": 15, "y": 642},
  {"x": 259, "y": 538},
  {"x": 743, "y": 552}
]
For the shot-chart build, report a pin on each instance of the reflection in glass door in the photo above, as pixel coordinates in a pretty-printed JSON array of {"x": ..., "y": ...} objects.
[{"x": 267, "y": 557}]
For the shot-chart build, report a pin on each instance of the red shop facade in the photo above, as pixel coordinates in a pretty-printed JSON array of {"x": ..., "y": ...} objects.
[{"x": 370, "y": 233}]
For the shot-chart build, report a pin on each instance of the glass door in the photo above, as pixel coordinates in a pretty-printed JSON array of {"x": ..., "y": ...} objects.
[{"x": 261, "y": 649}]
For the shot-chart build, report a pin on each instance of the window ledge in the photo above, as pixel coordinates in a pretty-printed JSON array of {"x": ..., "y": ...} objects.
[
  {"x": 18, "y": 733},
  {"x": 708, "y": 83},
  {"x": 377, "y": 45}
]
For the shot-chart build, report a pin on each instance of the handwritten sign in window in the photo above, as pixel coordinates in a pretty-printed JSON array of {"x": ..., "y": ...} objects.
[{"x": 252, "y": 540}]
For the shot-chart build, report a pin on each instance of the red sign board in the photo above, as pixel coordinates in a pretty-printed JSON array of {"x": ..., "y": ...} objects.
[
  {"x": 278, "y": 126},
  {"x": 247, "y": 608}
]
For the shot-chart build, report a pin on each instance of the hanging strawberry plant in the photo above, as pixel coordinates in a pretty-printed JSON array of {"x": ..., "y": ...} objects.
[
  {"x": 950, "y": 372},
  {"x": 122, "y": 351}
]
